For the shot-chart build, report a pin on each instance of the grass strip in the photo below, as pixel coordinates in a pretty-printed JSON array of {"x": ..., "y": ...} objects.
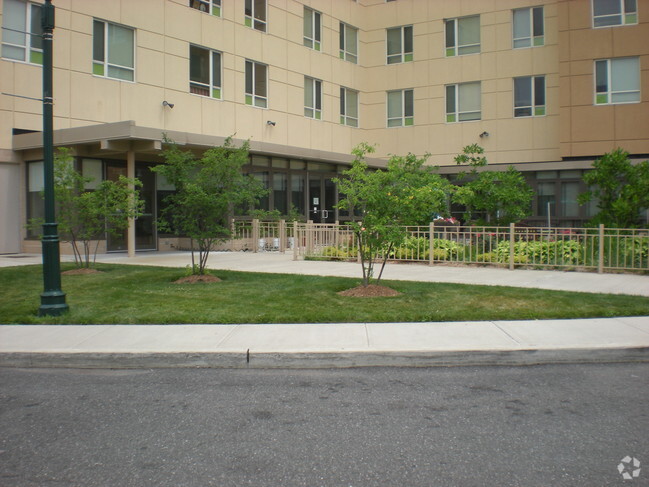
[{"x": 124, "y": 294}]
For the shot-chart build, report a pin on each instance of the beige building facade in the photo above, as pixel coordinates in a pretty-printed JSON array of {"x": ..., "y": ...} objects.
[{"x": 545, "y": 85}]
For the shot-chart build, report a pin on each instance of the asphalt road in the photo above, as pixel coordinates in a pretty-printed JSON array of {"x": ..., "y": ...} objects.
[{"x": 491, "y": 426}]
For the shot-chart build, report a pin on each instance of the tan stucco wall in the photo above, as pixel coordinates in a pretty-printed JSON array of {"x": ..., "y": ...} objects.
[
  {"x": 163, "y": 36},
  {"x": 587, "y": 129}
]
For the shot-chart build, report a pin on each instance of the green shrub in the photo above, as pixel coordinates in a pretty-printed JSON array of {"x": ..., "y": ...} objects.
[
  {"x": 338, "y": 252},
  {"x": 636, "y": 251},
  {"x": 563, "y": 252},
  {"x": 330, "y": 252},
  {"x": 410, "y": 254},
  {"x": 440, "y": 254},
  {"x": 487, "y": 257},
  {"x": 412, "y": 248},
  {"x": 453, "y": 249}
]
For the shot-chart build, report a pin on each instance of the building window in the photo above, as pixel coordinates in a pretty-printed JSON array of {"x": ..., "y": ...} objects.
[
  {"x": 256, "y": 84},
  {"x": 208, "y": 6},
  {"x": 529, "y": 96},
  {"x": 204, "y": 72},
  {"x": 528, "y": 28},
  {"x": 312, "y": 28},
  {"x": 22, "y": 32},
  {"x": 348, "y": 43},
  {"x": 617, "y": 80},
  {"x": 255, "y": 13},
  {"x": 400, "y": 44},
  {"x": 607, "y": 13},
  {"x": 463, "y": 102},
  {"x": 462, "y": 36},
  {"x": 400, "y": 108},
  {"x": 312, "y": 98},
  {"x": 349, "y": 107},
  {"x": 113, "y": 53}
]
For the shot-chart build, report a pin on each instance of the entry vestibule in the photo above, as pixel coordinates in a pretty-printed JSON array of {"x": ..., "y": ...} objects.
[
  {"x": 144, "y": 225},
  {"x": 322, "y": 198},
  {"x": 297, "y": 186}
]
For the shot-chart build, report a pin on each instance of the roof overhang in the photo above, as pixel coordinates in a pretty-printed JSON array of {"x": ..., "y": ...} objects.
[{"x": 120, "y": 137}]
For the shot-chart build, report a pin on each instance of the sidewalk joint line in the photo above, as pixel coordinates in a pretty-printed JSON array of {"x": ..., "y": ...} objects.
[
  {"x": 505, "y": 332},
  {"x": 234, "y": 328}
]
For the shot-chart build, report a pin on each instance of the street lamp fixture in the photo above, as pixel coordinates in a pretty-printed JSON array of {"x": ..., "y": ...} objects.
[{"x": 53, "y": 298}]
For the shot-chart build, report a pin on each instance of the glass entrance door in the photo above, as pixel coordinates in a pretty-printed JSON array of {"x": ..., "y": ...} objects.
[
  {"x": 322, "y": 198},
  {"x": 145, "y": 231}
]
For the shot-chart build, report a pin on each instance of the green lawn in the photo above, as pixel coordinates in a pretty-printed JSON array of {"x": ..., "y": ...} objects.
[{"x": 135, "y": 294}]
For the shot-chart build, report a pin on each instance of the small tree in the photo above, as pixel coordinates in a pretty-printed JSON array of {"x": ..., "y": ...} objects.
[
  {"x": 208, "y": 189},
  {"x": 505, "y": 197},
  {"x": 406, "y": 193},
  {"x": 620, "y": 188},
  {"x": 85, "y": 216}
]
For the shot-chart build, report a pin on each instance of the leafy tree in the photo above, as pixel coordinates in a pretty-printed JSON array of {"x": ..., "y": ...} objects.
[
  {"x": 504, "y": 197},
  {"x": 406, "y": 193},
  {"x": 85, "y": 216},
  {"x": 208, "y": 189},
  {"x": 620, "y": 188}
]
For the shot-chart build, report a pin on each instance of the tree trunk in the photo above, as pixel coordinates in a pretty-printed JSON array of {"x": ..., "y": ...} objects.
[
  {"x": 385, "y": 259},
  {"x": 191, "y": 246}
]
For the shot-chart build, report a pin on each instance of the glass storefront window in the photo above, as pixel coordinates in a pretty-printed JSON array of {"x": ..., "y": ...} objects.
[
  {"x": 569, "y": 192},
  {"x": 259, "y": 161},
  {"x": 297, "y": 192},
  {"x": 263, "y": 177},
  {"x": 573, "y": 174},
  {"x": 546, "y": 175},
  {"x": 546, "y": 199},
  {"x": 279, "y": 163},
  {"x": 93, "y": 169},
  {"x": 280, "y": 196}
]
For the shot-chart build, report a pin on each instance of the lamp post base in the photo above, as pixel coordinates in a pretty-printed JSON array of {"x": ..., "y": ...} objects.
[{"x": 53, "y": 304}]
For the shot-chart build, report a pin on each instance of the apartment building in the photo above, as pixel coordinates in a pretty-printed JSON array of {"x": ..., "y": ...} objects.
[{"x": 544, "y": 85}]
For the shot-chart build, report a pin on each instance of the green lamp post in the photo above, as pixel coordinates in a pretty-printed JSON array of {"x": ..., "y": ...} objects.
[{"x": 53, "y": 298}]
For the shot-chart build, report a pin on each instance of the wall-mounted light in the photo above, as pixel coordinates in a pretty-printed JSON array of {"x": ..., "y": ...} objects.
[
  {"x": 167, "y": 104},
  {"x": 484, "y": 134},
  {"x": 270, "y": 122}
]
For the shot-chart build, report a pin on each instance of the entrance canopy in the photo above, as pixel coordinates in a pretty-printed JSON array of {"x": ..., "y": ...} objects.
[{"x": 115, "y": 139}]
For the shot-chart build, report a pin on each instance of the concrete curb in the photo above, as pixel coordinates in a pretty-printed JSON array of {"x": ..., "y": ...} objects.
[{"x": 316, "y": 360}]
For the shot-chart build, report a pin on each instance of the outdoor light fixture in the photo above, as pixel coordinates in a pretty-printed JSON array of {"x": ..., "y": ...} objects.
[
  {"x": 171, "y": 105},
  {"x": 484, "y": 134},
  {"x": 53, "y": 298},
  {"x": 270, "y": 122}
]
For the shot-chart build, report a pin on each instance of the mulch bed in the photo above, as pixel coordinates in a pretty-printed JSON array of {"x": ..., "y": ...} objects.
[
  {"x": 80, "y": 271},
  {"x": 193, "y": 279},
  {"x": 371, "y": 291}
]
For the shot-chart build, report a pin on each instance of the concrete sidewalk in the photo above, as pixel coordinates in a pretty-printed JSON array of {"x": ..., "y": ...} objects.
[
  {"x": 276, "y": 262},
  {"x": 327, "y": 345},
  {"x": 341, "y": 344}
]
